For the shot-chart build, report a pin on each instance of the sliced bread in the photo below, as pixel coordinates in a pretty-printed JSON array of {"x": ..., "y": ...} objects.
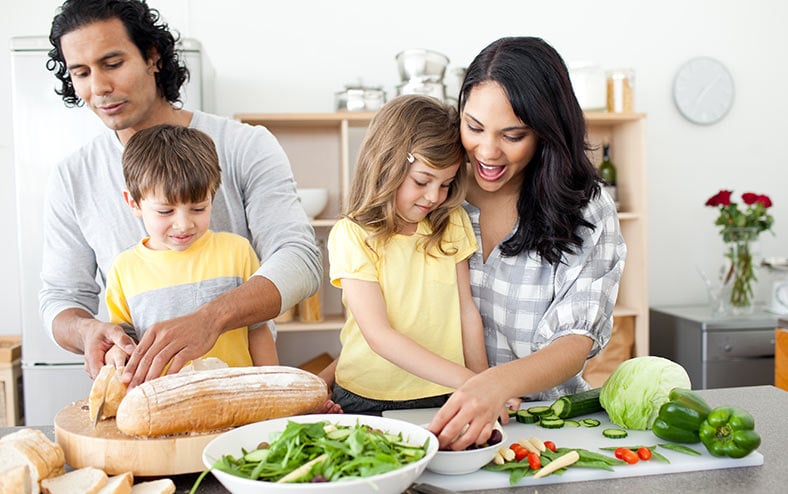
[
  {"x": 119, "y": 484},
  {"x": 86, "y": 480},
  {"x": 160, "y": 486},
  {"x": 31, "y": 447},
  {"x": 15, "y": 480}
]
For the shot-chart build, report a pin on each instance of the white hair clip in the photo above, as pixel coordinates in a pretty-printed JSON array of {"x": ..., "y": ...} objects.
[{"x": 411, "y": 159}]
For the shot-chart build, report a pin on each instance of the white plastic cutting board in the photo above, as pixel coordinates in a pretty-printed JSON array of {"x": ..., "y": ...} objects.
[{"x": 589, "y": 438}]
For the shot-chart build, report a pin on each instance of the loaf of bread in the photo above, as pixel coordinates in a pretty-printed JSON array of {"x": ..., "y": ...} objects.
[
  {"x": 218, "y": 399},
  {"x": 32, "y": 448},
  {"x": 86, "y": 480},
  {"x": 160, "y": 486}
]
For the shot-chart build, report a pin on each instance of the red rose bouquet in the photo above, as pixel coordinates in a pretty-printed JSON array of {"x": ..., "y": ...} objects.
[{"x": 740, "y": 227}]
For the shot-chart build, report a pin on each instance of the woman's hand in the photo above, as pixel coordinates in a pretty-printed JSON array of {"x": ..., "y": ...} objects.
[{"x": 477, "y": 404}]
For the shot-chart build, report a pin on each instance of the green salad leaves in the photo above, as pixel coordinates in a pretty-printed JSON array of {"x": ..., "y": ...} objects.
[{"x": 321, "y": 452}]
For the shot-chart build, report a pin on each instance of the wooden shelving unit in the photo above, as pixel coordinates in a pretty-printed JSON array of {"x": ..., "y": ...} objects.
[{"x": 323, "y": 148}]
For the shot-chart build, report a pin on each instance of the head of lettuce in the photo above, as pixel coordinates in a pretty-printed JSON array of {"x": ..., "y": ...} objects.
[{"x": 633, "y": 393}]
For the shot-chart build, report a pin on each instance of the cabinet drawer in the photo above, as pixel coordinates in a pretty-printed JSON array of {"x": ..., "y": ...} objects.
[{"x": 727, "y": 345}]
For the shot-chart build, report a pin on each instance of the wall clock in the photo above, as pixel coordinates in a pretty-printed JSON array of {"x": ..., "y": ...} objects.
[{"x": 703, "y": 90}]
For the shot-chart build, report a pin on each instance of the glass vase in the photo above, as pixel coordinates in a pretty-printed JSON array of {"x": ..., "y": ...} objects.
[{"x": 740, "y": 272}]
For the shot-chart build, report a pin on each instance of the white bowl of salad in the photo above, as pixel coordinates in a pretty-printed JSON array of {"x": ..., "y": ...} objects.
[{"x": 331, "y": 453}]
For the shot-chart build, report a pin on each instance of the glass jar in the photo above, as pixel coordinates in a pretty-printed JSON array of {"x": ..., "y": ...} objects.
[
  {"x": 588, "y": 83},
  {"x": 620, "y": 90}
]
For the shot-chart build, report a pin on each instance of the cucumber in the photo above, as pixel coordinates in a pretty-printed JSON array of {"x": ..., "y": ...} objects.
[
  {"x": 524, "y": 417},
  {"x": 539, "y": 410},
  {"x": 571, "y": 423},
  {"x": 590, "y": 422},
  {"x": 613, "y": 433},
  {"x": 584, "y": 403},
  {"x": 551, "y": 423}
]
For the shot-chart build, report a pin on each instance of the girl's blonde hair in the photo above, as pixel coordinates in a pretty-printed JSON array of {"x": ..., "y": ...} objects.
[{"x": 420, "y": 126}]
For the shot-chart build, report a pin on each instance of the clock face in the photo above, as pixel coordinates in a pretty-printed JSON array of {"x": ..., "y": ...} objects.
[{"x": 703, "y": 90}]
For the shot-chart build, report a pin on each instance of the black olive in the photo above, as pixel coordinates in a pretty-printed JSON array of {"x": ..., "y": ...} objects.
[{"x": 495, "y": 437}]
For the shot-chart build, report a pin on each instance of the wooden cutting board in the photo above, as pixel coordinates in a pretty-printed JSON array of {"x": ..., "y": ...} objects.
[{"x": 107, "y": 448}]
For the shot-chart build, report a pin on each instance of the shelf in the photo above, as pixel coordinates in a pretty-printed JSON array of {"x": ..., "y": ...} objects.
[
  {"x": 330, "y": 323},
  {"x": 626, "y": 311},
  {"x": 603, "y": 118},
  {"x": 354, "y": 119}
]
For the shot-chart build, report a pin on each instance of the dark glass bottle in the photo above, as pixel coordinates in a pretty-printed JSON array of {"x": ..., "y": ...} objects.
[{"x": 607, "y": 170}]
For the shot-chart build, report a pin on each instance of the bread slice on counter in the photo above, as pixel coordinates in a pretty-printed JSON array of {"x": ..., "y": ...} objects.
[
  {"x": 160, "y": 486},
  {"x": 86, "y": 480},
  {"x": 15, "y": 480},
  {"x": 31, "y": 447},
  {"x": 118, "y": 484}
]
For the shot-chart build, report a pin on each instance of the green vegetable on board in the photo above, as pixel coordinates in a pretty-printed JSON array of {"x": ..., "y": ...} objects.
[
  {"x": 637, "y": 388},
  {"x": 583, "y": 403},
  {"x": 680, "y": 418},
  {"x": 729, "y": 431}
]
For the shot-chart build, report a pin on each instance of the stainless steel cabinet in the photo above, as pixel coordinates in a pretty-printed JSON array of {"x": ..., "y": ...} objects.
[{"x": 716, "y": 352}]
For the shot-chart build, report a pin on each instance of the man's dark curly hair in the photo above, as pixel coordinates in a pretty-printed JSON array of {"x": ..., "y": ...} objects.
[{"x": 144, "y": 29}]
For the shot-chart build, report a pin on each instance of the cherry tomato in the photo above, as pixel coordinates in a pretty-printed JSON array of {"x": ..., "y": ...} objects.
[
  {"x": 620, "y": 453},
  {"x": 629, "y": 456},
  {"x": 519, "y": 451},
  {"x": 644, "y": 453},
  {"x": 533, "y": 461},
  {"x": 550, "y": 445}
]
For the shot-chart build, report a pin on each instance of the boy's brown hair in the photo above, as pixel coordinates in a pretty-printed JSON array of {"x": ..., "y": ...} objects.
[{"x": 178, "y": 162}]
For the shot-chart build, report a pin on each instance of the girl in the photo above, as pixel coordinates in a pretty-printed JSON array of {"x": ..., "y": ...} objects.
[{"x": 413, "y": 333}]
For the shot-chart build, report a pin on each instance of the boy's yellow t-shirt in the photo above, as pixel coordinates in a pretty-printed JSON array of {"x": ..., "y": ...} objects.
[{"x": 422, "y": 302}]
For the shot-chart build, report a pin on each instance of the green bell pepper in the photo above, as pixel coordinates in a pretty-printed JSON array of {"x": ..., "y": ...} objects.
[
  {"x": 680, "y": 418},
  {"x": 729, "y": 431}
]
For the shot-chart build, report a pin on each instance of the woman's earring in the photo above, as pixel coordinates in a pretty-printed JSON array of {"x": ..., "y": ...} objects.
[{"x": 411, "y": 159}]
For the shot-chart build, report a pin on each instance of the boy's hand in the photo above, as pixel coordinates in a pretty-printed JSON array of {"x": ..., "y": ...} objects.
[{"x": 116, "y": 357}]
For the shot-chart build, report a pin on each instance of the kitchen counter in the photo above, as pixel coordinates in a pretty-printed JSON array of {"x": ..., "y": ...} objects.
[{"x": 767, "y": 404}]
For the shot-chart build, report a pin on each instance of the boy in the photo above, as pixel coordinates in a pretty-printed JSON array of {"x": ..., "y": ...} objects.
[{"x": 172, "y": 174}]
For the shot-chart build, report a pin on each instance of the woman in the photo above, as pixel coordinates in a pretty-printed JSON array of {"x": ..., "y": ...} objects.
[{"x": 551, "y": 254}]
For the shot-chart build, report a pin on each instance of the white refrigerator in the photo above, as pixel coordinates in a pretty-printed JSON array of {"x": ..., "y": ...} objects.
[{"x": 46, "y": 131}]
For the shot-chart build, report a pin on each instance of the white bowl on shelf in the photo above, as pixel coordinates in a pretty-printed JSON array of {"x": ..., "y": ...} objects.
[
  {"x": 313, "y": 201},
  {"x": 249, "y": 436}
]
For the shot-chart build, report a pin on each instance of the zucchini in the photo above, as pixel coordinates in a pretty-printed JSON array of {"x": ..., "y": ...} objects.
[
  {"x": 524, "y": 417},
  {"x": 614, "y": 433},
  {"x": 584, "y": 403}
]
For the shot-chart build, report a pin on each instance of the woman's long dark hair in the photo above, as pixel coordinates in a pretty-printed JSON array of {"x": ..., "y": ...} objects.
[
  {"x": 144, "y": 29},
  {"x": 560, "y": 180}
]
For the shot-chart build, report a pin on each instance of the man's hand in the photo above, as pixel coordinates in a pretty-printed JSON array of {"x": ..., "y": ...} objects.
[
  {"x": 178, "y": 340},
  {"x": 78, "y": 331}
]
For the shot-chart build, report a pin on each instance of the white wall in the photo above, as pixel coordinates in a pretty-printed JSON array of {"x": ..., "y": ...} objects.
[{"x": 293, "y": 56}]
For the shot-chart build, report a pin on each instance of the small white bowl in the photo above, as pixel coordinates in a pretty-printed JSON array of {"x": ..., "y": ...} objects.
[
  {"x": 466, "y": 461},
  {"x": 249, "y": 436},
  {"x": 313, "y": 201}
]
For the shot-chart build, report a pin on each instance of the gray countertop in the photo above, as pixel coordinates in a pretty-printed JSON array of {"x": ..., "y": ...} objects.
[{"x": 768, "y": 404}]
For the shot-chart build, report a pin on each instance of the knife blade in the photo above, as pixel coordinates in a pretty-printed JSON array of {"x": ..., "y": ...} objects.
[{"x": 99, "y": 411}]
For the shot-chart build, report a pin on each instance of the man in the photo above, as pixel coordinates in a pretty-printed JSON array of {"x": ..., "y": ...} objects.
[{"x": 119, "y": 59}]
